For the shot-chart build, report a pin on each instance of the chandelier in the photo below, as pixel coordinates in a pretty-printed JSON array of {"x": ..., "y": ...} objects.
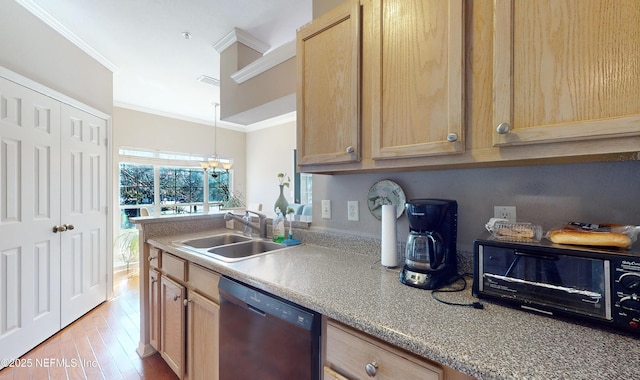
[{"x": 214, "y": 163}]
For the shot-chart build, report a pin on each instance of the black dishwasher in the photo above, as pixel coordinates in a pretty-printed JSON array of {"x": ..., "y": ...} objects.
[{"x": 266, "y": 337}]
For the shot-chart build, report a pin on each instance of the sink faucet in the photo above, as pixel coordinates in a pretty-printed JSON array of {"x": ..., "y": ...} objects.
[{"x": 261, "y": 227}]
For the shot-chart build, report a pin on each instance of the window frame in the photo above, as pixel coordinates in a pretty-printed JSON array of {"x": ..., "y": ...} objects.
[{"x": 159, "y": 160}]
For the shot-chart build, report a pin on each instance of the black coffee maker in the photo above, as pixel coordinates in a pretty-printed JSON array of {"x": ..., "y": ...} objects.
[{"x": 430, "y": 260}]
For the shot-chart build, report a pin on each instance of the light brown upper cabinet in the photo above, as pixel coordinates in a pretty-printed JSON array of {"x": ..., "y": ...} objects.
[
  {"x": 565, "y": 70},
  {"x": 415, "y": 53},
  {"x": 380, "y": 80},
  {"x": 328, "y": 87},
  {"x": 445, "y": 84}
]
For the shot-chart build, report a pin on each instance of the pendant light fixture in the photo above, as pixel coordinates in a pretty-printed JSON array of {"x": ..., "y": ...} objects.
[{"x": 214, "y": 162}]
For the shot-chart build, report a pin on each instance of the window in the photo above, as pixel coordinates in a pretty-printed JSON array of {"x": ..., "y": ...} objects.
[
  {"x": 306, "y": 189},
  {"x": 181, "y": 189},
  {"x": 160, "y": 183},
  {"x": 136, "y": 189},
  {"x": 136, "y": 184}
]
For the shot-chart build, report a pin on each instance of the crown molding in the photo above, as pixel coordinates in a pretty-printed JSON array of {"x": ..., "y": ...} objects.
[
  {"x": 48, "y": 19},
  {"x": 266, "y": 62},
  {"x": 221, "y": 123},
  {"x": 238, "y": 35},
  {"x": 274, "y": 121}
]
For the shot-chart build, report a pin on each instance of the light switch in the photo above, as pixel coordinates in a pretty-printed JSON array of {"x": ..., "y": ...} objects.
[{"x": 326, "y": 209}]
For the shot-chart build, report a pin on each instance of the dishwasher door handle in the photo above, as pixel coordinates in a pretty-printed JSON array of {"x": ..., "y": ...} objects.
[{"x": 257, "y": 311}]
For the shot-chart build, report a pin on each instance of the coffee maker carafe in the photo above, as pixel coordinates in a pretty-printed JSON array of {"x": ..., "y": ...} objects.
[{"x": 430, "y": 257}]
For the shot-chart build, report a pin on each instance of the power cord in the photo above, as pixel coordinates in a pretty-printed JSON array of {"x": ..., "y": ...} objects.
[{"x": 475, "y": 305}]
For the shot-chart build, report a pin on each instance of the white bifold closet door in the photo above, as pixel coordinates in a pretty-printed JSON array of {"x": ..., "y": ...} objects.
[
  {"x": 83, "y": 205},
  {"x": 53, "y": 176}
]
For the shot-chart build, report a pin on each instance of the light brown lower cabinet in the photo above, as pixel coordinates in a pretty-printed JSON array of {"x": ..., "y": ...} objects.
[
  {"x": 172, "y": 316},
  {"x": 188, "y": 316},
  {"x": 352, "y": 354},
  {"x": 154, "y": 308},
  {"x": 203, "y": 320}
]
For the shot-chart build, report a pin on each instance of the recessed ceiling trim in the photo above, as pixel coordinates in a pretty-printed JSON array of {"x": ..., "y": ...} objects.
[
  {"x": 48, "y": 19},
  {"x": 238, "y": 35},
  {"x": 266, "y": 62}
]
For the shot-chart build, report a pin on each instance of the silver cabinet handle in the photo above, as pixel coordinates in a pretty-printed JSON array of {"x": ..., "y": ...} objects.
[
  {"x": 57, "y": 229},
  {"x": 371, "y": 368},
  {"x": 151, "y": 258},
  {"x": 175, "y": 298},
  {"x": 503, "y": 128},
  {"x": 350, "y": 149},
  {"x": 452, "y": 137},
  {"x": 186, "y": 302},
  {"x": 69, "y": 226}
]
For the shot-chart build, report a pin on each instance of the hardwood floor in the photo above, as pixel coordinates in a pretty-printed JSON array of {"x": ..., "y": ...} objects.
[{"x": 100, "y": 345}]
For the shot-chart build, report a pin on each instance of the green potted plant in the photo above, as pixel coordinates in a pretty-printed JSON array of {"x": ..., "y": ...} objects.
[
  {"x": 128, "y": 244},
  {"x": 230, "y": 199}
]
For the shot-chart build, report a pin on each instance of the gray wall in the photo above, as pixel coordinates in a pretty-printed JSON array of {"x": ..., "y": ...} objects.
[{"x": 550, "y": 195}]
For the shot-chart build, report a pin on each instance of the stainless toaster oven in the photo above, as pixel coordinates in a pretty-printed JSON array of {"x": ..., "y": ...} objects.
[{"x": 600, "y": 285}]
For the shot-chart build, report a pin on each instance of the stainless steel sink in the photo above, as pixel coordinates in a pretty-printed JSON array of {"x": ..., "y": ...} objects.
[
  {"x": 214, "y": 241},
  {"x": 229, "y": 247},
  {"x": 244, "y": 250}
]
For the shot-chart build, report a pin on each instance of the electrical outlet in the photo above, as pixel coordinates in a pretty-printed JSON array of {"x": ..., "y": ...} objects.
[
  {"x": 326, "y": 209},
  {"x": 352, "y": 211},
  {"x": 505, "y": 212}
]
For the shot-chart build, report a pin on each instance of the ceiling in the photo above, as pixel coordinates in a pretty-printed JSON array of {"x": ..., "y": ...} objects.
[{"x": 155, "y": 68}]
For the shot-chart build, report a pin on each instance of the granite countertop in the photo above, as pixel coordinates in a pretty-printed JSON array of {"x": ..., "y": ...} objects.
[{"x": 496, "y": 342}]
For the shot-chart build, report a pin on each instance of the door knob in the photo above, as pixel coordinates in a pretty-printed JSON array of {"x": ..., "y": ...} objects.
[
  {"x": 57, "y": 229},
  {"x": 350, "y": 149},
  {"x": 452, "y": 137},
  {"x": 69, "y": 226}
]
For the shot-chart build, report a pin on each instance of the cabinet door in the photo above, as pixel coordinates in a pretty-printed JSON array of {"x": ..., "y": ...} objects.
[
  {"x": 172, "y": 316},
  {"x": 154, "y": 309},
  {"x": 202, "y": 338},
  {"x": 415, "y": 50},
  {"x": 154, "y": 258},
  {"x": 565, "y": 70},
  {"x": 328, "y": 88}
]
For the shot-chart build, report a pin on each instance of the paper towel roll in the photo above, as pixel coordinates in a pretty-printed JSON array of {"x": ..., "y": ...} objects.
[{"x": 389, "y": 256}]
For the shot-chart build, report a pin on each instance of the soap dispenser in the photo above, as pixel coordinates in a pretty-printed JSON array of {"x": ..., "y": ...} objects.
[
  {"x": 246, "y": 230},
  {"x": 277, "y": 229}
]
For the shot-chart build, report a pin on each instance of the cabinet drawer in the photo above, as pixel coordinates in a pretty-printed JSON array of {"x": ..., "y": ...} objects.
[
  {"x": 349, "y": 351},
  {"x": 174, "y": 266},
  {"x": 204, "y": 281},
  {"x": 154, "y": 257}
]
